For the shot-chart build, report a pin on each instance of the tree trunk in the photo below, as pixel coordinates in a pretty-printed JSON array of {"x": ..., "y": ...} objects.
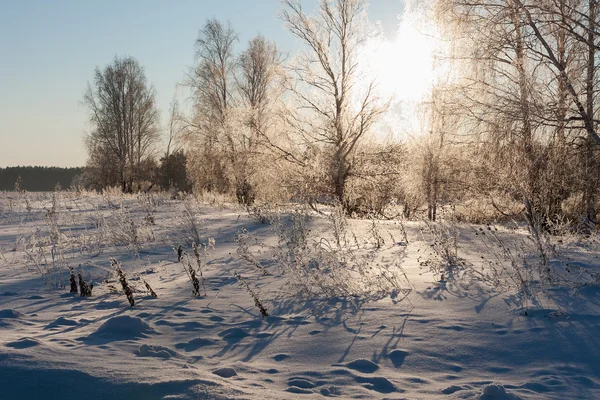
[{"x": 590, "y": 154}]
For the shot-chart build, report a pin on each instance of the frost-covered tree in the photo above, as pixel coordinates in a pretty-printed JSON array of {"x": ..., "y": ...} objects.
[
  {"x": 529, "y": 94},
  {"x": 212, "y": 83},
  {"x": 258, "y": 87},
  {"x": 234, "y": 96},
  {"x": 334, "y": 113}
]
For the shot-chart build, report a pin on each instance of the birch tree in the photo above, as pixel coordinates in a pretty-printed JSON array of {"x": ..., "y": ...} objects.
[
  {"x": 124, "y": 119},
  {"x": 333, "y": 115}
]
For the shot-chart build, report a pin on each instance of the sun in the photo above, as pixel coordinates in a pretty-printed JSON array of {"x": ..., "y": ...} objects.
[{"x": 402, "y": 67}]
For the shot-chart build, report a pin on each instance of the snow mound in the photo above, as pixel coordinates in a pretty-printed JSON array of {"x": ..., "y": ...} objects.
[
  {"x": 23, "y": 343},
  {"x": 494, "y": 391},
  {"x": 61, "y": 321},
  {"x": 194, "y": 344},
  {"x": 297, "y": 390},
  {"x": 301, "y": 383},
  {"x": 363, "y": 365},
  {"x": 10, "y": 314},
  {"x": 123, "y": 327},
  {"x": 233, "y": 334},
  {"x": 397, "y": 357},
  {"x": 280, "y": 357},
  {"x": 225, "y": 372},
  {"x": 452, "y": 389},
  {"x": 377, "y": 383},
  {"x": 146, "y": 350}
]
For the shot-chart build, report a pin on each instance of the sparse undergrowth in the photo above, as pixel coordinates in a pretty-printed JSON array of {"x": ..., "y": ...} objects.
[
  {"x": 327, "y": 265},
  {"x": 314, "y": 257},
  {"x": 530, "y": 265}
]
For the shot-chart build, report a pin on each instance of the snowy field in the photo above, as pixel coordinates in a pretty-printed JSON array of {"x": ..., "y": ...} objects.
[{"x": 356, "y": 308}]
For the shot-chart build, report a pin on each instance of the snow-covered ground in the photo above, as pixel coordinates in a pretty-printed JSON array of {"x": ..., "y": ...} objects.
[{"x": 405, "y": 335}]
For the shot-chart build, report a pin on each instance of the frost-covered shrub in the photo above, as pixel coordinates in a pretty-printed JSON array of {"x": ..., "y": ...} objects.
[
  {"x": 148, "y": 204},
  {"x": 263, "y": 213},
  {"x": 331, "y": 264},
  {"x": 245, "y": 192},
  {"x": 246, "y": 242},
  {"x": 46, "y": 248},
  {"x": 121, "y": 229},
  {"x": 496, "y": 207},
  {"x": 374, "y": 185},
  {"x": 442, "y": 238}
]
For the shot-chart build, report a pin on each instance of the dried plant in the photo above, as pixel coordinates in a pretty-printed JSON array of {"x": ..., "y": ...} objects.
[
  {"x": 257, "y": 302},
  {"x": 191, "y": 273},
  {"x": 149, "y": 288},
  {"x": 72, "y": 281},
  {"x": 123, "y": 280},
  {"x": 85, "y": 290}
]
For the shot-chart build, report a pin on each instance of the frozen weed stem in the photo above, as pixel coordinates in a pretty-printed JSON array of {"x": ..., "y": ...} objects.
[
  {"x": 257, "y": 302},
  {"x": 123, "y": 280}
]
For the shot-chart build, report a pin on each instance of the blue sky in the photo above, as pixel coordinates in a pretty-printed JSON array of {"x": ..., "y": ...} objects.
[{"x": 49, "y": 50}]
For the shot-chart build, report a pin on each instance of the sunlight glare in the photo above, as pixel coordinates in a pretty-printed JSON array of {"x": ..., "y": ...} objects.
[{"x": 403, "y": 66}]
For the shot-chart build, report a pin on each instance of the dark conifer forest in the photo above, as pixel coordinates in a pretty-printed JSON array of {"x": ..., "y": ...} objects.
[{"x": 37, "y": 179}]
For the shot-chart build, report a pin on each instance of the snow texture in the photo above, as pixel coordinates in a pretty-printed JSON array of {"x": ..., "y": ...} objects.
[{"x": 456, "y": 339}]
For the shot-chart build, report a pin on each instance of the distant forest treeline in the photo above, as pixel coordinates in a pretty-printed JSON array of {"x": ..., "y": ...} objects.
[{"x": 37, "y": 179}]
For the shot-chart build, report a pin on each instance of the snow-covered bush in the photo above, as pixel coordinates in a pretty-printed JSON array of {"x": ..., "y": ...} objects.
[{"x": 442, "y": 237}]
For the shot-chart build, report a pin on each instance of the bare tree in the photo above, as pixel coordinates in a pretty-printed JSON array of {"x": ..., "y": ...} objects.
[
  {"x": 212, "y": 78},
  {"x": 124, "y": 120},
  {"x": 334, "y": 115},
  {"x": 176, "y": 127}
]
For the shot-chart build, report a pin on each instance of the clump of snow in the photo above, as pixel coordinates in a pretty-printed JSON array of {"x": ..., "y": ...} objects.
[
  {"x": 494, "y": 391},
  {"x": 146, "y": 350},
  {"x": 194, "y": 344},
  {"x": 280, "y": 357},
  {"x": 363, "y": 365},
  {"x": 297, "y": 390},
  {"x": 61, "y": 321},
  {"x": 10, "y": 314},
  {"x": 397, "y": 357},
  {"x": 123, "y": 327},
  {"x": 23, "y": 343},
  {"x": 233, "y": 334},
  {"x": 377, "y": 383},
  {"x": 225, "y": 372},
  {"x": 452, "y": 389},
  {"x": 301, "y": 383}
]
